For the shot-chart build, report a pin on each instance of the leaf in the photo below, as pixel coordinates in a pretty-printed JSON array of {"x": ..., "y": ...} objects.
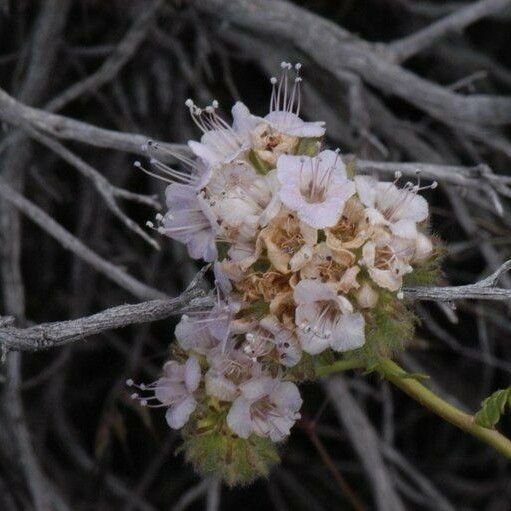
[{"x": 493, "y": 407}]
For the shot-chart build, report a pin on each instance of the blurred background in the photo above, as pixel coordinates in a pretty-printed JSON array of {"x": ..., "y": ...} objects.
[{"x": 67, "y": 426}]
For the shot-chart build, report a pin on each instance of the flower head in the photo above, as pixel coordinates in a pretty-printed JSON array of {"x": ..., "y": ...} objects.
[
  {"x": 229, "y": 369},
  {"x": 221, "y": 143},
  {"x": 387, "y": 262},
  {"x": 191, "y": 221},
  {"x": 174, "y": 391},
  {"x": 285, "y": 103},
  {"x": 316, "y": 188},
  {"x": 398, "y": 208},
  {"x": 326, "y": 319},
  {"x": 267, "y": 407}
]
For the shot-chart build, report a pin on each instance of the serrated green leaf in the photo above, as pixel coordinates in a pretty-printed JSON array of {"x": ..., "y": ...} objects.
[{"x": 493, "y": 407}]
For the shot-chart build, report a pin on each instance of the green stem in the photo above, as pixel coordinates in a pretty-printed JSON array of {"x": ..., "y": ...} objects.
[
  {"x": 338, "y": 366},
  {"x": 395, "y": 374}
]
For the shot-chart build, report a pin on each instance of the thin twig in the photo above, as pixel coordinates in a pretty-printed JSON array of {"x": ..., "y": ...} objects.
[
  {"x": 15, "y": 113},
  {"x": 60, "y": 333},
  {"x": 406, "y": 47},
  {"x": 107, "y": 190},
  {"x": 70, "y": 242},
  {"x": 121, "y": 55}
]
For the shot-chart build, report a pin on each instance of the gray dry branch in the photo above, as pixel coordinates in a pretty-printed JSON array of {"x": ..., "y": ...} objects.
[
  {"x": 49, "y": 335},
  {"x": 337, "y": 50}
]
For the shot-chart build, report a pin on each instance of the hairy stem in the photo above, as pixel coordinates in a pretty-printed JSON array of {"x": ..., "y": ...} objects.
[
  {"x": 396, "y": 375},
  {"x": 338, "y": 366}
]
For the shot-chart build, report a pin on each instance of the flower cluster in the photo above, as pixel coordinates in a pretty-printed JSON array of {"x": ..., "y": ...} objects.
[{"x": 309, "y": 261}]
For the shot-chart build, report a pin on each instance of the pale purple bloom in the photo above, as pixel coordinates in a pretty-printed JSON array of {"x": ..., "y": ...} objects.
[
  {"x": 229, "y": 368},
  {"x": 221, "y": 143},
  {"x": 398, "y": 208},
  {"x": 387, "y": 262},
  {"x": 267, "y": 407},
  {"x": 191, "y": 221},
  {"x": 285, "y": 341},
  {"x": 174, "y": 391},
  {"x": 285, "y": 103},
  {"x": 240, "y": 197},
  {"x": 316, "y": 188},
  {"x": 196, "y": 171},
  {"x": 326, "y": 319}
]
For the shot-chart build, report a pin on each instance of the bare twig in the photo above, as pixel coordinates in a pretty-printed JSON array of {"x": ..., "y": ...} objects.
[
  {"x": 65, "y": 332},
  {"x": 15, "y": 113},
  {"x": 478, "y": 176},
  {"x": 455, "y": 22},
  {"x": 482, "y": 290},
  {"x": 337, "y": 50},
  {"x": 192, "y": 494},
  {"x": 108, "y": 191},
  {"x": 365, "y": 442},
  {"x": 123, "y": 52},
  {"x": 213, "y": 494},
  {"x": 70, "y": 242}
]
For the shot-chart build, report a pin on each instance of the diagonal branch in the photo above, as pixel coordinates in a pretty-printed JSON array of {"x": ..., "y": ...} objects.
[
  {"x": 17, "y": 113},
  {"x": 108, "y": 191},
  {"x": 406, "y": 47},
  {"x": 70, "y": 242},
  {"x": 123, "y": 52},
  {"x": 337, "y": 50}
]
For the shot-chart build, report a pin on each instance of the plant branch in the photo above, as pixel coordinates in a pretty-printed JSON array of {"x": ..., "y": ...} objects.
[
  {"x": 393, "y": 373},
  {"x": 107, "y": 190},
  {"x": 73, "y": 244},
  {"x": 337, "y": 50},
  {"x": 17, "y": 113},
  {"x": 406, "y": 47},
  {"x": 60, "y": 333},
  {"x": 482, "y": 290}
]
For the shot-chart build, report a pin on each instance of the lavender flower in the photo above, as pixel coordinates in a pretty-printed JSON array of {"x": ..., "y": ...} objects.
[
  {"x": 267, "y": 407},
  {"x": 175, "y": 391},
  {"x": 316, "y": 188},
  {"x": 191, "y": 221},
  {"x": 326, "y": 319}
]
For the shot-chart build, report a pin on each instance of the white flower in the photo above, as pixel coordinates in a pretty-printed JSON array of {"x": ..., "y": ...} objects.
[
  {"x": 196, "y": 172},
  {"x": 238, "y": 195},
  {"x": 367, "y": 297},
  {"x": 267, "y": 407},
  {"x": 316, "y": 188},
  {"x": 386, "y": 263},
  {"x": 326, "y": 319},
  {"x": 273, "y": 337},
  {"x": 175, "y": 391},
  {"x": 203, "y": 330},
  {"x": 228, "y": 370},
  {"x": 191, "y": 221},
  {"x": 423, "y": 248},
  {"x": 398, "y": 208},
  {"x": 221, "y": 143},
  {"x": 285, "y": 103}
]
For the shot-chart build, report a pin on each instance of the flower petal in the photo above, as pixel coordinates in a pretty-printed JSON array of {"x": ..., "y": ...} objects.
[
  {"x": 349, "y": 332},
  {"x": 238, "y": 418},
  {"x": 177, "y": 415}
]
